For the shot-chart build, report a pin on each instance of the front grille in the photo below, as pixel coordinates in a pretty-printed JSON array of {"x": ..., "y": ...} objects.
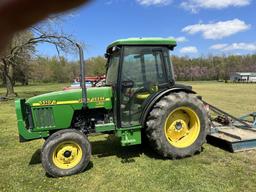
[
  {"x": 28, "y": 117},
  {"x": 43, "y": 117}
]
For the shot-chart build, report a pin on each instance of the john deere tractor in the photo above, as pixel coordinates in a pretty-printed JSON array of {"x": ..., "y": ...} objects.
[{"x": 140, "y": 99}]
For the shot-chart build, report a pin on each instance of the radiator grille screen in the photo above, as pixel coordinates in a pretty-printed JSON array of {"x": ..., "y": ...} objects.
[{"x": 44, "y": 117}]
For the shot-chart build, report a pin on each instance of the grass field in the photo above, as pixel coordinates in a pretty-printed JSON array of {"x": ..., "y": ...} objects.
[{"x": 136, "y": 168}]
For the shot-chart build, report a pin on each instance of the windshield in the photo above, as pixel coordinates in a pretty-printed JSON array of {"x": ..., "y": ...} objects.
[
  {"x": 112, "y": 70},
  {"x": 143, "y": 65}
]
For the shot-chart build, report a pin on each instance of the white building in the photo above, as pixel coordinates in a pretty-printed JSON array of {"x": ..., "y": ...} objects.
[{"x": 243, "y": 77}]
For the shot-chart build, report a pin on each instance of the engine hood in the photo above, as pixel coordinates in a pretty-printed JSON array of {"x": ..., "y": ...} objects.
[{"x": 96, "y": 97}]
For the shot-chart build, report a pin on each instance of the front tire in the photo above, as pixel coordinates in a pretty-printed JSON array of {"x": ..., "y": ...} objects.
[
  {"x": 177, "y": 126},
  {"x": 66, "y": 152}
]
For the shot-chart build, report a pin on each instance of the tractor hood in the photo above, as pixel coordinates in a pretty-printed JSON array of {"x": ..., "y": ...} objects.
[{"x": 97, "y": 97}]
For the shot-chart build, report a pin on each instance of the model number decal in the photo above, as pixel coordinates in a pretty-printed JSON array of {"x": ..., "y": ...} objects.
[{"x": 48, "y": 102}]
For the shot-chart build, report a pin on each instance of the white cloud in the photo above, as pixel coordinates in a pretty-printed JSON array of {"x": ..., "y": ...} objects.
[
  {"x": 154, "y": 2},
  {"x": 190, "y": 49},
  {"x": 195, "y": 5},
  {"x": 218, "y": 30},
  {"x": 218, "y": 46},
  {"x": 179, "y": 39},
  {"x": 234, "y": 47}
]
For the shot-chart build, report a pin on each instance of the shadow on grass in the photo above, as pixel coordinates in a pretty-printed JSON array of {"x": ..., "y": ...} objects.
[
  {"x": 111, "y": 147},
  {"x": 36, "y": 157},
  {"x": 89, "y": 166}
]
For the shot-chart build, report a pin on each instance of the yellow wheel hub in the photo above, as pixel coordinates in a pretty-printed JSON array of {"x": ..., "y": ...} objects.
[
  {"x": 182, "y": 127},
  {"x": 67, "y": 155}
]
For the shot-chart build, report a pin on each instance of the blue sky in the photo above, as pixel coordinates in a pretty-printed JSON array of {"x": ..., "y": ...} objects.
[{"x": 201, "y": 27}]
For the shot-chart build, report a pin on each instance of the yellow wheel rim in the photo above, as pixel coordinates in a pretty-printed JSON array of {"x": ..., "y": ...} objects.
[
  {"x": 182, "y": 127},
  {"x": 67, "y": 155}
]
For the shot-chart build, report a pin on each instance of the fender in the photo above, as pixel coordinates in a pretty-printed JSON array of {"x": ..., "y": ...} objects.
[{"x": 151, "y": 101}]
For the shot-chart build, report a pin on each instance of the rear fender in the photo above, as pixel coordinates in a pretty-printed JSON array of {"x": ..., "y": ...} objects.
[{"x": 151, "y": 101}]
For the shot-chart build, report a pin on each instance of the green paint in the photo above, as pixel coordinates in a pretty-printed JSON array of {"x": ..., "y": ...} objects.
[
  {"x": 61, "y": 116},
  {"x": 105, "y": 127},
  {"x": 130, "y": 136},
  {"x": 25, "y": 133},
  {"x": 55, "y": 110},
  {"x": 99, "y": 97},
  {"x": 171, "y": 43}
]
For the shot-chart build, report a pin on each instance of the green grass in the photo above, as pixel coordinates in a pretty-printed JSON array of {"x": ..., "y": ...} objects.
[{"x": 136, "y": 168}]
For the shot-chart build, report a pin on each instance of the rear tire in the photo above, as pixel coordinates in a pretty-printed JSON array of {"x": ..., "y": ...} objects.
[
  {"x": 66, "y": 152},
  {"x": 177, "y": 126}
]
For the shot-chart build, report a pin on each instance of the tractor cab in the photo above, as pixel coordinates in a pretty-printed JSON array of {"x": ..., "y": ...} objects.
[{"x": 136, "y": 70}]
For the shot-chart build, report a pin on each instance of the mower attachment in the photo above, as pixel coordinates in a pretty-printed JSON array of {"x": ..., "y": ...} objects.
[
  {"x": 249, "y": 116},
  {"x": 231, "y": 133}
]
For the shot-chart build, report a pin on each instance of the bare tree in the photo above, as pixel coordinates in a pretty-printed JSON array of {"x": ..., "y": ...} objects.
[{"x": 24, "y": 49}]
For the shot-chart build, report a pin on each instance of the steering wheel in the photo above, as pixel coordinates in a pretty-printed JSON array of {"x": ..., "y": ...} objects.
[
  {"x": 141, "y": 94},
  {"x": 146, "y": 91}
]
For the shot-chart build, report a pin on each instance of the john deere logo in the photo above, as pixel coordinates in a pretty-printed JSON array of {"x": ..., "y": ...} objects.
[{"x": 96, "y": 100}]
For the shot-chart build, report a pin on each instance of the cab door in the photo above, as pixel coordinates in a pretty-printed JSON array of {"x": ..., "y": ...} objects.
[
  {"x": 142, "y": 74},
  {"x": 112, "y": 79}
]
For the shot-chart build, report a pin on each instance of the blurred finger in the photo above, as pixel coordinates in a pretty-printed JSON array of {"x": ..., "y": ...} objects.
[{"x": 16, "y": 15}]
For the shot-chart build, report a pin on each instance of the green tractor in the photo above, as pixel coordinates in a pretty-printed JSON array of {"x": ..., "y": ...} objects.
[{"x": 140, "y": 99}]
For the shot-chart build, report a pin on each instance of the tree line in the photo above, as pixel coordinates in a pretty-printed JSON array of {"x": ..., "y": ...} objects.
[
  {"x": 60, "y": 70},
  {"x": 20, "y": 64},
  {"x": 212, "y": 67}
]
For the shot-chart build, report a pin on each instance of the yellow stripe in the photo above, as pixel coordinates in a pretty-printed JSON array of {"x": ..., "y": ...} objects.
[
  {"x": 67, "y": 102},
  {"x": 36, "y": 104}
]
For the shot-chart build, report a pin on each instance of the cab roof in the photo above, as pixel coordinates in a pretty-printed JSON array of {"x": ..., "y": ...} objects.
[{"x": 170, "y": 43}]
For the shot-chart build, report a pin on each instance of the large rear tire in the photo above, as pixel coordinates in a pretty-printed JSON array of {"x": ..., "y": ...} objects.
[
  {"x": 178, "y": 125},
  {"x": 66, "y": 152}
]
